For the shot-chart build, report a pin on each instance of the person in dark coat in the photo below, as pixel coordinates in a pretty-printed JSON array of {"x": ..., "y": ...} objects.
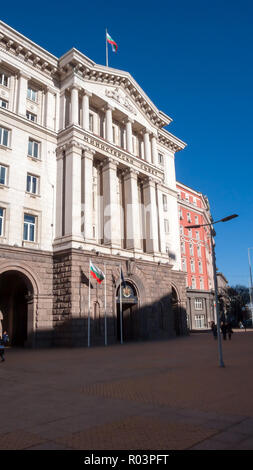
[
  {"x": 224, "y": 330},
  {"x": 214, "y": 329},
  {"x": 229, "y": 330},
  {"x": 5, "y": 338},
  {"x": 2, "y": 350}
]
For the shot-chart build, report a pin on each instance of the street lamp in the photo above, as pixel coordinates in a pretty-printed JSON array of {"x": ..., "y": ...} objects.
[{"x": 225, "y": 219}]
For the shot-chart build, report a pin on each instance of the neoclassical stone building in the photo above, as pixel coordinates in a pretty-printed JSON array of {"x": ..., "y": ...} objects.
[{"x": 87, "y": 172}]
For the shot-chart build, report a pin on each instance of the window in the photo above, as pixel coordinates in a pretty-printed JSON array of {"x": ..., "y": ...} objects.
[
  {"x": 199, "y": 250},
  {"x": 4, "y": 79},
  {"x": 193, "y": 283},
  {"x": 165, "y": 208},
  {"x": 191, "y": 249},
  {"x": 160, "y": 158},
  {"x": 182, "y": 247},
  {"x": 166, "y": 225},
  {"x": 189, "y": 217},
  {"x": 33, "y": 148},
  {"x": 200, "y": 321},
  {"x": 200, "y": 267},
  {"x": 1, "y": 221},
  {"x": 192, "y": 266},
  {"x": 4, "y": 136},
  {"x": 3, "y": 174},
  {"x": 32, "y": 117},
  {"x": 180, "y": 214},
  {"x": 3, "y": 103},
  {"x": 195, "y": 203},
  {"x": 29, "y": 228},
  {"x": 201, "y": 283},
  {"x": 187, "y": 197},
  {"x": 197, "y": 235},
  {"x": 181, "y": 230},
  {"x": 183, "y": 265},
  {"x": 189, "y": 232},
  {"x": 31, "y": 94},
  {"x": 91, "y": 122},
  {"x": 196, "y": 219},
  {"x": 198, "y": 304},
  {"x": 32, "y": 184}
]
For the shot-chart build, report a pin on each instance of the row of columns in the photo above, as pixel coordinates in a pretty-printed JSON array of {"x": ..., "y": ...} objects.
[
  {"x": 149, "y": 139},
  {"x": 75, "y": 207}
]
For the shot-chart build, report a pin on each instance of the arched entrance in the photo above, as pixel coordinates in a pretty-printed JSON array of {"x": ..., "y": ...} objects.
[
  {"x": 176, "y": 312},
  {"x": 16, "y": 302},
  {"x": 127, "y": 303}
]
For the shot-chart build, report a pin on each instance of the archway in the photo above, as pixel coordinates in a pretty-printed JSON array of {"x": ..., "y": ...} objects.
[
  {"x": 16, "y": 305},
  {"x": 176, "y": 312},
  {"x": 130, "y": 321}
]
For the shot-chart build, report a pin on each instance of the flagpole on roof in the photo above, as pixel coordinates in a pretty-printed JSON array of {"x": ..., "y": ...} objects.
[
  {"x": 89, "y": 310},
  {"x": 106, "y": 48}
]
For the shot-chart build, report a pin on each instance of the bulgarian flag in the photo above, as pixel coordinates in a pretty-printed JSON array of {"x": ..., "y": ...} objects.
[
  {"x": 96, "y": 273},
  {"x": 112, "y": 42}
]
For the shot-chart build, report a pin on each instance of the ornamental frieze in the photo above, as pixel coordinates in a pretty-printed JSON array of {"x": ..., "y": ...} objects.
[{"x": 118, "y": 95}]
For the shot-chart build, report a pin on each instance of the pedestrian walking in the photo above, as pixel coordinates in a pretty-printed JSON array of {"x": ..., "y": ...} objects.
[
  {"x": 5, "y": 338},
  {"x": 214, "y": 329},
  {"x": 229, "y": 331},
  {"x": 2, "y": 350},
  {"x": 224, "y": 330}
]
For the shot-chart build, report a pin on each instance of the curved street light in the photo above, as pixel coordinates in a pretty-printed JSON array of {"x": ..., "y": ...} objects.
[{"x": 225, "y": 219}]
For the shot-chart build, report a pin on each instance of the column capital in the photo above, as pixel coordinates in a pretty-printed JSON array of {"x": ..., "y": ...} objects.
[
  {"x": 109, "y": 163},
  {"x": 130, "y": 173},
  {"x": 73, "y": 145},
  {"x": 22, "y": 74},
  {"x": 128, "y": 119},
  {"x": 88, "y": 152},
  {"x": 108, "y": 107},
  {"x": 86, "y": 92}
]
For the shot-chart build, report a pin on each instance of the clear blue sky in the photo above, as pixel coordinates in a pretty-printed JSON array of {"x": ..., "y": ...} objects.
[{"x": 194, "y": 60}]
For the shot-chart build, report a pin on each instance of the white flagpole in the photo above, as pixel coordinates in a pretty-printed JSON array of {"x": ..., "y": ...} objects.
[
  {"x": 106, "y": 48},
  {"x": 105, "y": 307},
  {"x": 121, "y": 319},
  {"x": 89, "y": 310}
]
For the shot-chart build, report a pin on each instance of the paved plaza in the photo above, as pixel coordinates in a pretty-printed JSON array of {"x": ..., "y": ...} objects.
[{"x": 154, "y": 395}]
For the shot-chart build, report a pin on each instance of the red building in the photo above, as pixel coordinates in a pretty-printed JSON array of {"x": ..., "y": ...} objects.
[{"x": 196, "y": 256}]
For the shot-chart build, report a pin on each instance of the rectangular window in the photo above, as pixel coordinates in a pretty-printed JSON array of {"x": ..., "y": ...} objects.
[
  {"x": 33, "y": 148},
  {"x": 32, "y": 184},
  {"x": 166, "y": 225},
  {"x": 3, "y": 104},
  {"x": 191, "y": 249},
  {"x": 4, "y": 136},
  {"x": 1, "y": 221},
  {"x": 197, "y": 235},
  {"x": 200, "y": 267},
  {"x": 195, "y": 203},
  {"x": 165, "y": 208},
  {"x": 182, "y": 247},
  {"x": 31, "y": 117},
  {"x": 189, "y": 217},
  {"x": 29, "y": 228},
  {"x": 201, "y": 283},
  {"x": 184, "y": 265},
  {"x": 4, "y": 79},
  {"x": 200, "y": 321},
  {"x": 196, "y": 220},
  {"x": 181, "y": 230},
  {"x": 199, "y": 250},
  {"x": 160, "y": 158},
  {"x": 198, "y": 304},
  {"x": 91, "y": 122},
  {"x": 3, "y": 174},
  {"x": 192, "y": 266},
  {"x": 31, "y": 94},
  {"x": 193, "y": 283},
  {"x": 189, "y": 232},
  {"x": 187, "y": 197},
  {"x": 180, "y": 214}
]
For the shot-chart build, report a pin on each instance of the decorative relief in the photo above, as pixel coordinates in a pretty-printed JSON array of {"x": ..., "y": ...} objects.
[{"x": 118, "y": 95}]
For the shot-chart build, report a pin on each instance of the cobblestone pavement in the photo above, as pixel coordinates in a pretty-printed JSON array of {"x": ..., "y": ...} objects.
[{"x": 155, "y": 395}]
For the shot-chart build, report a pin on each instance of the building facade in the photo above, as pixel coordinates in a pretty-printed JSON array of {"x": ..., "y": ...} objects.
[
  {"x": 196, "y": 254},
  {"x": 87, "y": 172}
]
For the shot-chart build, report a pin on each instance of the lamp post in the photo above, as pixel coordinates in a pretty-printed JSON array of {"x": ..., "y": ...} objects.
[{"x": 225, "y": 219}]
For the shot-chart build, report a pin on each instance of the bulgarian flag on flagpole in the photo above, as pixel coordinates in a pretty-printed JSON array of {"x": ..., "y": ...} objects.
[
  {"x": 96, "y": 273},
  {"x": 112, "y": 42}
]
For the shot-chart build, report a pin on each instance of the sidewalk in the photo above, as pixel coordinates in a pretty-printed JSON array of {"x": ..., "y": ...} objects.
[{"x": 156, "y": 395}]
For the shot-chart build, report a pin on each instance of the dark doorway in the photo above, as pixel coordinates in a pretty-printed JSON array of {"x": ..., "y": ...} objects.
[
  {"x": 130, "y": 319},
  {"x": 15, "y": 289},
  {"x": 176, "y": 312}
]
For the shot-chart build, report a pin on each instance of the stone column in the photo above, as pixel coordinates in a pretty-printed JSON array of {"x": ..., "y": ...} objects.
[
  {"x": 86, "y": 109},
  {"x": 151, "y": 220},
  {"x": 147, "y": 148},
  {"x": 161, "y": 220},
  {"x": 73, "y": 155},
  {"x": 108, "y": 123},
  {"x": 154, "y": 149},
  {"x": 87, "y": 188},
  {"x": 62, "y": 110},
  {"x": 74, "y": 105},
  {"x": 112, "y": 235},
  {"x": 132, "y": 210},
  {"x": 129, "y": 135},
  {"x": 49, "y": 109},
  {"x": 59, "y": 192},
  {"x": 22, "y": 93}
]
